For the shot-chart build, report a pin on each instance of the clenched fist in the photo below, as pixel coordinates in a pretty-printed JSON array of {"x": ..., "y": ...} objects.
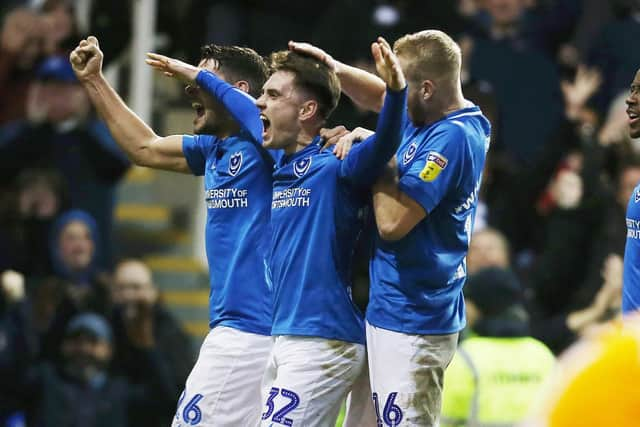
[{"x": 86, "y": 59}]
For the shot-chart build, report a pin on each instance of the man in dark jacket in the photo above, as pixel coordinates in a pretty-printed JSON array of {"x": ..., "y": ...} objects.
[
  {"x": 139, "y": 318},
  {"x": 79, "y": 390}
]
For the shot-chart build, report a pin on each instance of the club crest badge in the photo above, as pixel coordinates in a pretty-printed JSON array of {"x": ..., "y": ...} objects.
[
  {"x": 235, "y": 163},
  {"x": 301, "y": 167},
  {"x": 637, "y": 197},
  {"x": 436, "y": 162},
  {"x": 410, "y": 153}
]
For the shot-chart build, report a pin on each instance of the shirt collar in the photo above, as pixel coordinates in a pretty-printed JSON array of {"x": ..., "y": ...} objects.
[{"x": 309, "y": 150}]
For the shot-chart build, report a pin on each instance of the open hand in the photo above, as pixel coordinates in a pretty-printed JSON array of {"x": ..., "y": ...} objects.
[
  {"x": 345, "y": 142},
  {"x": 388, "y": 65},
  {"x": 173, "y": 67},
  {"x": 86, "y": 59},
  {"x": 331, "y": 136},
  {"x": 576, "y": 94}
]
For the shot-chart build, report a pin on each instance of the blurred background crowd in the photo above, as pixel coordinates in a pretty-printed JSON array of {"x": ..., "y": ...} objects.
[{"x": 102, "y": 282}]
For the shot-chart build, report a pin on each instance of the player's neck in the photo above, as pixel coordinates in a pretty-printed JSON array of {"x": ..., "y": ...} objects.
[
  {"x": 305, "y": 137},
  {"x": 452, "y": 100},
  {"x": 228, "y": 130}
]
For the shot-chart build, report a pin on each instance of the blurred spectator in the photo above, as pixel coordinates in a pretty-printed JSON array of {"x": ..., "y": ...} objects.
[
  {"x": 80, "y": 285},
  {"x": 27, "y": 213},
  {"x": 614, "y": 53},
  {"x": 19, "y": 51},
  {"x": 29, "y": 34},
  {"x": 496, "y": 373},
  {"x": 140, "y": 320},
  {"x": 575, "y": 281},
  {"x": 488, "y": 248},
  {"x": 61, "y": 134},
  {"x": 332, "y": 30},
  {"x": 506, "y": 53},
  {"x": 79, "y": 390},
  {"x": 539, "y": 25},
  {"x": 520, "y": 198},
  {"x": 17, "y": 344},
  {"x": 391, "y": 19}
]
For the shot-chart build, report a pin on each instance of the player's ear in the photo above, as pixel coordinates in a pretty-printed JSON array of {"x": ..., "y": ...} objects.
[
  {"x": 427, "y": 89},
  {"x": 243, "y": 85},
  {"x": 308, "y": 110}
]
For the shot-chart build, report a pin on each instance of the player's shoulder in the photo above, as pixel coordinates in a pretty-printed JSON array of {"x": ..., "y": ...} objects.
[
  {"x": 450, "y": 129},
  {"x": 249, "y": 147},
  {"x": 325, "y": 158},
  {"x": 202, "y": 140}
]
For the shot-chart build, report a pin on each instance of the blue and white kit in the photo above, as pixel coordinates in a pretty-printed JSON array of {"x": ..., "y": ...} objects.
[
  {"x": 224, "y": 385},
  {"x": 316, "y": 219},
  {"x": 416, "y": 306}
]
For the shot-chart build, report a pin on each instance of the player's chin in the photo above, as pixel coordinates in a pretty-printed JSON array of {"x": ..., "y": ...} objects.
[
  {"x": 267, "y": 142},
  {"x": 634, "y": 130}
]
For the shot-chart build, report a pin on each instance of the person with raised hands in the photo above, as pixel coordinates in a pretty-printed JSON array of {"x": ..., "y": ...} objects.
[
  {"x": 223, "y": 388},
  {"x": 319, "y": 353},
  {"x": 424, "y": 208}
]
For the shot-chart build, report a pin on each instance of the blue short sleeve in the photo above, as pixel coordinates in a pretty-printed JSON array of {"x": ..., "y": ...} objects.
[
  {"x": 195, "y": 149},
  {"x": 436, "y": 167}
]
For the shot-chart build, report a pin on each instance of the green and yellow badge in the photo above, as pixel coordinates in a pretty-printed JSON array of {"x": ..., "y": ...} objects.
[{"x": 436, "y": 162}]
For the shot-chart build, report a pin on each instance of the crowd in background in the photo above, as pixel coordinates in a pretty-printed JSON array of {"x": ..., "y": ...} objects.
[{"x": 551, "y": 75}]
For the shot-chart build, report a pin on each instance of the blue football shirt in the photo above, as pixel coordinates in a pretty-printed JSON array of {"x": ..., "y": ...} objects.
[
  {"x": 631, "y": 274},
  {"x": 237, "y": 177},
  {"x": 316, "y": 219},
  {"x": 416, "y": 282}
]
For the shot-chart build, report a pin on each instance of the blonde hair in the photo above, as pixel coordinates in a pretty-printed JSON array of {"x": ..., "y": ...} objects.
[{"x": 431, "y": 55}]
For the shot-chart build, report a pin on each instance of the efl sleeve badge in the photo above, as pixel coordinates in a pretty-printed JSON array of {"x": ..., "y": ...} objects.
[{"x": 436, "y": 162}]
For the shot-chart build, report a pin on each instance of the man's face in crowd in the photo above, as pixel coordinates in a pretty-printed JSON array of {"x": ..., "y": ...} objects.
[
  {"x": 85, "y": 355},
  {"x": 633, "y": 107},
  {"x": 132, "y": 287},
  {"x": 486, "y": 250},
  {"x": 76, "y": 246}
]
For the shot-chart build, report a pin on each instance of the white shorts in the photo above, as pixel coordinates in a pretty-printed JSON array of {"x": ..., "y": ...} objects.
[
  {"x": 224, "y": 386},
  {"x": 407, "y": 373},
  {"x": 307, "y": 380},
  {"x": 360, "y": 411}
]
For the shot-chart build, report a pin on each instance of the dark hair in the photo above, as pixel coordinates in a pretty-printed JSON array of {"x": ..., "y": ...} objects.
[
  {"x": 312, "y": 76},
  {"x": 238, "y": 63}
]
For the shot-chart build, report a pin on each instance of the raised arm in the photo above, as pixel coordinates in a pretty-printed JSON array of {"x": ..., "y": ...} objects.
[
  {"x": 365, "y": 89},
  {"x": 139, "y": 141},
  {"x": 235, "y": 100},
  {"x": 367, "y": 160}
]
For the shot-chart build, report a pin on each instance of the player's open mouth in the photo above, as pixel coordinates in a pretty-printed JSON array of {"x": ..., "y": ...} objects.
[
  {"x": 265, "y": 124},
  {"x": 633, "y": 116},
  {"x": 199, "y": 109}
]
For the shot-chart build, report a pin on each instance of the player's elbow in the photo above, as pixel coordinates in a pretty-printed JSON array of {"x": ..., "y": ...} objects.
[
  {"x": 377, "y": 102},
  {"x": 140, "y": 159},
  {"x": 144, "y": 155}
]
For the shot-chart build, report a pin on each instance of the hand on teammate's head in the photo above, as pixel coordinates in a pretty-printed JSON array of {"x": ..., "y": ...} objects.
[
  {"x": 172, "y": 67},
  {"x": 315, "y": 52}
]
